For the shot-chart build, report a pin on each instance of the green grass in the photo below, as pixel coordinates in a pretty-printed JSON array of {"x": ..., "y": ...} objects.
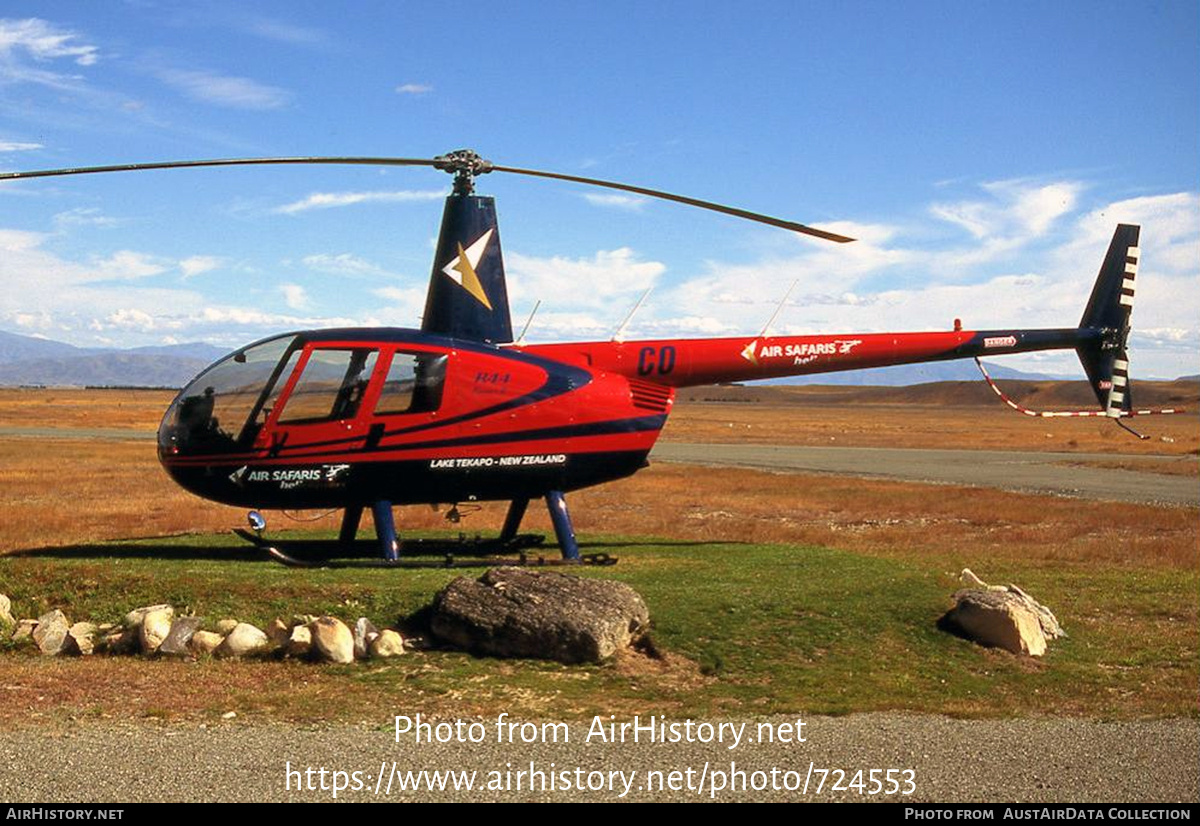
[{"x": 766, "y": 628}]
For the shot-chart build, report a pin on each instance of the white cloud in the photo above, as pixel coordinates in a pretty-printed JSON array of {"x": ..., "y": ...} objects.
[
  {"x": 131, "y": 318},
  {"x": 633, "y": 203},
  {"x": 41, "y": 41},
  {"x": 404, "y": 305},
  {"x": 197, "y": 264},
  {"x": 127, "y": 264},
  {"x": 1018, "y": 210},
  {"x": 295, "y": 296},
  {"x": 581, "y": 282},
  {"x": 414, "y": 89},
  {"x": 284, "y": 32},
  {"x": 226, "y": 90},
  {"x": 18, "y": 146},
  {"x": 328, "y": 200},
  {"x": 82, "y": 217},
  {"x": 345, "y": 264}
]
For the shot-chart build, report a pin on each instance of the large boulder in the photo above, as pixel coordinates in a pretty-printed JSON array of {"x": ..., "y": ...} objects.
[
  {"x": 1001, "y": 616},
  {"x": 519, "y": 612}
]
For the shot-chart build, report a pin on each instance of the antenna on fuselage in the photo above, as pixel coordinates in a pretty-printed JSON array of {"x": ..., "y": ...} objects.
[
  {"x": 521, "y": 338},
  {"x": 619, "y": 335},
  {"x": 767, "y": 327}
]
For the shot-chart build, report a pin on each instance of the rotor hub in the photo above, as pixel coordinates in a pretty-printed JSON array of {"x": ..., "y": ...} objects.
[{"x": 465, "y": 165}]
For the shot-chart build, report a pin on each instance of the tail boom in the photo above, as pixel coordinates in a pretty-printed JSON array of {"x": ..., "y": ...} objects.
[{"x": 691, "y": 362}]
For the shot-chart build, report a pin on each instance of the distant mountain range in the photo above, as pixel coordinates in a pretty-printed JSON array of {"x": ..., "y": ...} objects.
[
  {"x": 33, "y": 361},
  {"x": 27, "y": 360}
]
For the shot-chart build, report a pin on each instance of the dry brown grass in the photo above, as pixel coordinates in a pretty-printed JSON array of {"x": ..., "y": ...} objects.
[{"x": 139, "y": 410}]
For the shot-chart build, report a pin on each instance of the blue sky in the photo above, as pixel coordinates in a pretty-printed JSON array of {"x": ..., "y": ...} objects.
[{"x": 983, "y": 153}]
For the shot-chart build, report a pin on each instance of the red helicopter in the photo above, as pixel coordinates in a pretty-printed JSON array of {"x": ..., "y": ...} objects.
[{"x": 459, "y": 412}]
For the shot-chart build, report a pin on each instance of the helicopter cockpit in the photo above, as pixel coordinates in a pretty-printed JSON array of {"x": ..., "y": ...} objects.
[
  {"x": 224, "y": 409},
  {"x": 211, "y": 414}
]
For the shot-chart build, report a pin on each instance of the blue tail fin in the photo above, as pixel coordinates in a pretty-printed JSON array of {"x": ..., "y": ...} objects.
[
  {"x": 1106, "y": 360},
  {"x": 468, "y": 297}
]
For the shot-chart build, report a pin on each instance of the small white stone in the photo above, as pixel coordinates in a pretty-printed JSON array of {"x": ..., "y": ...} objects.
[
  {"x": 388, "y": 644},
  {"x": 332, "y": 640},
  {"x": 156, "y": 625},
  {"x": 205, "y": 642},
  {"x": 243, "y": 641}
]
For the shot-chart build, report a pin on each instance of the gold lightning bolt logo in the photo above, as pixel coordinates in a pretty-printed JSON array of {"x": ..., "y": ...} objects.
[
  {"x": 748, "y": 352},
  {"x": 462, "y": 269}
]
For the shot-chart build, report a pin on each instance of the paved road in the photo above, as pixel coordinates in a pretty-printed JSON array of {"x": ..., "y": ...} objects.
[
  {"x": 1064, "y": 761},
  {"x": 1008, "y": 470}
]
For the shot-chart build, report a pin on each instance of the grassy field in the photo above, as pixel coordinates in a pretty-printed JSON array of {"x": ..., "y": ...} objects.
[
  {"x": 748, "y": 629},
  {"x": 769, "y": 592}
]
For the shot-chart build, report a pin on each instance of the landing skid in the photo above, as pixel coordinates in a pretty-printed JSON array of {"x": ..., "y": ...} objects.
[{"x": 365, "y": 554}]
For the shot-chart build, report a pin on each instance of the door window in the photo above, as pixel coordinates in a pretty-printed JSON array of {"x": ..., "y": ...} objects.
[{"x": 331, "y": 386}]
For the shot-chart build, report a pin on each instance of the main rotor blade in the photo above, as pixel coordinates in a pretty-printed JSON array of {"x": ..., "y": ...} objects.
[
  {"x": 133, "y": 167},
  {"x": 683, "y": 199},
  {"x": 463, "y": 163}
]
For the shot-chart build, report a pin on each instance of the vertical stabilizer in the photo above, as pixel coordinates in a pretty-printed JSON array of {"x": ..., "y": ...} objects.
[
  {"x": 1108, "y": 312},
  {"x": 468, "y": 297}
]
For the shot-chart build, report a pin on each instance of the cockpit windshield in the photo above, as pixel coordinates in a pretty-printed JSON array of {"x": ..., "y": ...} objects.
[{"x": 210, "y": 414}]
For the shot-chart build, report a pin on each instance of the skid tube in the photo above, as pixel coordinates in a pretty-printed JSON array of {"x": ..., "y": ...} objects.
[{"x": 364, "y": 554}]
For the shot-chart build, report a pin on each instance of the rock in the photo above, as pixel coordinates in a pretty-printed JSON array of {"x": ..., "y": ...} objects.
[
  {"x": 6, "y": 617},
  {"x": 332, "y": 640},
  {"x": 365, "y": 633},
  {"x": 387, "y": 644},
  {"x": 996, "y": 618},
  {"x": 177, "y": 641},
  {"x": 135, "y": 617},
  {"x": 299, "y": 644},
  {"x": 244, "y": 640},
  {"x": 123, "y": 641},
  {"x": 1051, "y": 630},
  {"x": 51, "y": 632},
  {"x": 301, "y": 619},
  {"x": 279, "y": 632},
  {"x": 226, "y": 626},
  {"x": 1050, "y": 627},
  {"x": 155, "y": 627},
  {"x": 24, "y": 629},
  {"x": 517, "y": 612},
  {"x": 80, "y": 639},
  {"x": 205, "y": 642}
]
